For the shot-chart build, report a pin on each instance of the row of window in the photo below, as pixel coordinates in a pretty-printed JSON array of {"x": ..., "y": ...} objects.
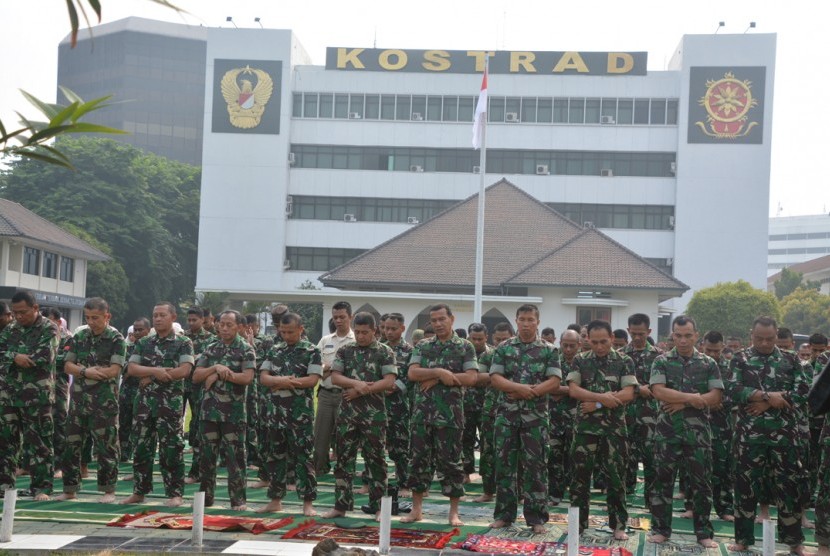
[
  {"x": 499, "y": 161},
  {"x": 319, "y": 259},
  {"x": 452, "y": 108},
  {"x": 799, "y": 251},
  {"x": 637, "y": 217},
  {"x": 45, "y": 264},
  {"x": 810, "y": 235}
]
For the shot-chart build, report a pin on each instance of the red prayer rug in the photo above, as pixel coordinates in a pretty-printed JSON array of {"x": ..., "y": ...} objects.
[
  {"x": 156, "y": 520},
  {"x": 497, "y": 545},
  {"x": 412, "y": 538}
]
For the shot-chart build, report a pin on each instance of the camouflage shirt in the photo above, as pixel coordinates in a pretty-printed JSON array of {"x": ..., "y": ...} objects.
[
  {"x": 611, "y": 373},
  {"x": 201, "y": 340},
  {"x": 61, "y": 378},
  {"x": 642, "y": 409},
  {"x": 300, "y": 360},
  {"x": 88, "y": 350},
  {"x": 442, "y": 406},
  {"x": 491, "y": 395},
  {"x": 722, "y": 418},
  {"x": 403, "y": 351},
  {"x": 529, "y": 363},
  {"x": 169, "y": 352},
  {"x": 821, "y": 362},
  {"x": 23, "y": 386},
  {"x": 369, "y": 364},
  {"x": 474, "y": 396},
  {"x": 225, "y": 400},
  {"x": 780, "y": 371},
  {"x": 697, "y": 374},
  {"x": 563, "y": 410}
]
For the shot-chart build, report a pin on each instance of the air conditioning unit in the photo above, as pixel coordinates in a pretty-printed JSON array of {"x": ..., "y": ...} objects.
[
  {"x": 512, "y": 117},
  {"x": 476, "y": 169},
  {"x": 669, "y": 261},
  {"x": 416, "y": 168},
  {"x": 286, "y": 264},
  {"x": 289, "y": 205},
  {"x": 349, "y": 218},
  {"x": 607, "y": 120},
  {"x": 417, "y": 117},
  {"x": 588, "y": 224},
  {"x": 412, "y": 220},
  {"x": 673, "y": 167},
  {"x": 542, "y": 170},
  {"x": 354, "y": 115},
  {"x": 291, "y": 159},
  {"x": 606, "y": 173},
  {"x": 671, "y": 222}
]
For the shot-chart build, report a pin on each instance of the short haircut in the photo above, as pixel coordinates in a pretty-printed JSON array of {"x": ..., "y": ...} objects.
[
  {"x": 461, "y": 333},
  {"x": 639, "y": 318},
  {"x": 713, "y": 337},
  {"x": 278, "y": 310},
  {"x": 727, "y": 351},
  {"x": 504, "y": 327},
  {"x": 397, "y": 317},
  {"x": 477, "y": 327},
  {"x": 4, "y": 308},
  {"x": 364, "y": 319},
  {"x": 528, "y": 308},
  {"x": 383, "y": 317},
  {"x": 48, "y": 312},
  {"x": 440, "y": 306},
  {"x": 621, "y": 334},
  {"x": 733, "y": 339},
  {"x": 600, "y": 325},
  {"x": 206, "y": 312},
  {"x": 548, "y": 331},
  {"x": 575, "y": 327},
  {"x": 683, "y": 320},
  {"x": 25, "y": 296},
  {"x": 250, "y": 319},
  {"x": 765, "y": 322},
  {"x": 145, "y": 322},
  {"x": 785, "y": 333},
  {"x": 97, "y": 304},
  {"x": 818, "y": 339},
  {"x": 170, "y": 306},
  {"x": 341, "y": 306},
  {"x": 235, "y": 314},
  {"x": 291, "y": 318},
  {"x": 198, "y": 311}
]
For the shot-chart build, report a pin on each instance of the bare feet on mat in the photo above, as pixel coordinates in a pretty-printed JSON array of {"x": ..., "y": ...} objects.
[
  {"x": 133, "y": 499},
  {"x": 174, "y": 502},
  {"x": 240, "y": 508},
  {"x": 735, "y": 547},
  {"x": 258, "y": 484},
  {"x": 404, "y": 493},
  {"x": 620, "y": 536},
  {"x": 66, "y": 496},
  {"x": 333, "y": 513},
  {"x": 308, "y": 509},
  {"x": 275, "y": 505},
  {"x": 107, "y": 498},
  {"x": 455, "y": 520},
  {"x": 190, "y": 480},
  {"x": 538, "y": 529},
  {"x": 484, "y": 498},
  {"x": 41, "y": 497},
  {"x": 727, "y": 517},
  {"x": 688, "y": 514},
  {"x": 499, "y": 524},
  {"x": 657, "y": 538},
  {"x": 412, "y": 517},
  {"x": 707, "y": 543}
]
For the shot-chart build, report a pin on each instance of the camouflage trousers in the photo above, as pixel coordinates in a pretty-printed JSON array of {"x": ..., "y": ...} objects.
[
  {"x": 756, "y": 464},
  {"x": 126, "y": 418},
  {"x": 696, "y": 460},
  {"x": 162, "y": 427},
  {"x": 60, "y": 412},
  {"x": 30, "y": 426},
  {"x": 436, "y": 447},
  {"x": 640, "y": 449},
  {"x": 264, "y": 411},
  {"x": 722, "y": 470},
  {"x": 823, "y": 499},
  {"x": 559, "y": 462},
  {"x": 232, "y": 436},
  {"x": 103, "y": 426},
  {"x": 527, "y": 443},
  {"x": 397, "y": 435},
  {"x": 371, "y": 439},
  {"x": 290, "y": 451},
  {"x": 814, "y": 455},
  {"x": 587, "y": 451},
  {"x": 472, "y": 431},
  {"x": 193, "y": 397},
  {"x": 487, "y": 456},
  {"x": 252, "y": 411}
]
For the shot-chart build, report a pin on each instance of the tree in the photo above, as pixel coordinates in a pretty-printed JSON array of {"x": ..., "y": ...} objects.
[
  {"x": 806, "y": 311},
  {"x": 787, "y": 283},
  {"x": 312, "y": 314},
  {"x": 140, "y": 208},
  {"x": 730, "y": 307}
]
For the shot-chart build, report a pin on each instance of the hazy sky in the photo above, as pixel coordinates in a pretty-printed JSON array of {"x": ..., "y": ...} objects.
[{"x": 30, "y": 31}]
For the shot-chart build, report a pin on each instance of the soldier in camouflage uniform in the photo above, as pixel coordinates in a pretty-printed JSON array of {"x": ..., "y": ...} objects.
[
  {"x": 365, "y": 370},
  {"x": 397, "y": 399},
  {"x": 686, "y": 383},
  {"x": 602, "y": 380},
  {"x": 525, "y": 369},
  {"x": 289, "y": 372},
  {"x": 474, "y": 402},
  {"x": 252, "y": 443},
  {"x": 27, "y": 394},
  {"x": 641, "y": 413},
  {"x": 562, "y": 416},
  {"x": 226, "y": 368},
  {"x": 823, "y": 498},
  {"x": 95, "y": 357},
  {"x": 201, "y": 339},
  {"x": 161, "y": 361},
  {"x": 128, "y": 393},
  {"x": 766, "y": 384}
]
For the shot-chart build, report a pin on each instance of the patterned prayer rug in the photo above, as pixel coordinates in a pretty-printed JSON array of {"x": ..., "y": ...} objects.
[
  {"x": 414, "y": 538},
  {"x": 498, "y": 545},
  {"x": 156, "y": 520}
]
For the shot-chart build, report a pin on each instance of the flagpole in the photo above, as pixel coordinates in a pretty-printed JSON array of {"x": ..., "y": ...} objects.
[{"x": 481, "y": 203}]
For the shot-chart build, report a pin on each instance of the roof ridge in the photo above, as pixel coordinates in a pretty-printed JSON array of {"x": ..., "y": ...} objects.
[{"x": 545, "y": 256}]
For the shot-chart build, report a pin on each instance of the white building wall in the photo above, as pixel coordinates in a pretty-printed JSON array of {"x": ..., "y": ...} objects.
[{"x": 797, "y": 239}]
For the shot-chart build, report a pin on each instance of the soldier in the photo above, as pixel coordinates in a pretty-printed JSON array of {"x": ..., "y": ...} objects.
[
  {"x": 226, "y": 368},
  {"x": 602, "y": 379},
  {"x": 27, "y": 394},
  {"x": 201, "y": 338},
  {"x": 766, "y": 384},
  {"x": 289, "y": 372},
  {"x": 61, "y": 407},
  {"x": 365, "y": 370},
  {"x": 686, "y": 383},
  {"x": 641, "y": 413},
  {"x": 823, "y": 498},
  {"x": 549, "y": 335},
  {"x": 5, "y": 315},
  {"x": 161, "y": 361},
  {"x": 474, "y": 402},
  {"x": 441, "y": 366},
  {"x": 562, "y": 416},
  {"x": 525, "y": 369},
  {"x": 397, "y": 401},
  {"x": 818, "y": 345},
  {"x": 620, "y": 339},
  {"x": 208, "y": 323},
  {"x": 95, "y": 357},
  {"x": 128, "y": 393}
]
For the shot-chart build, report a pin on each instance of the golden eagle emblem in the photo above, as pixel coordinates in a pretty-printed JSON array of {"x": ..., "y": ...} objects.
[{"x": 246, "y": 104}]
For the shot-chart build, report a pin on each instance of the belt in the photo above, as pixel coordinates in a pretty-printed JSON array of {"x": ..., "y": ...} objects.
[{"x": 335, "y": 389}]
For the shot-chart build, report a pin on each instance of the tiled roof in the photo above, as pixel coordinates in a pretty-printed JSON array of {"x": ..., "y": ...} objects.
[
  {"x": 521, "y": 233},
  {"x": 813, "y": 265},
  {"x": 18, "y": 221}
]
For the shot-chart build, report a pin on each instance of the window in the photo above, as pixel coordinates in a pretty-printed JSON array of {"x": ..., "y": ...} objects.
[
  {"x": 584, "y": 315},
  {"x": 658, "y": 111},
  {"x": 576, "y": 112},
  {"x": 367, "y": 209},
  {"x": 67, "y": 269},
  {"x": 326, "y": 105},
  {"x": 310, "y": 105},
  {"x": 31, "y": 261},
  {"x": 297, "y": 110},
  {"x": 372, "y": 107},
  {"x": 592, "y": 111},
  {"x": 50, "y": 265},
  {"x": 387, "y": 107},
  {"x": 641, "y": 111},
  {"x": 318, "y": 258},
  {"x": 636, "y": 217}
]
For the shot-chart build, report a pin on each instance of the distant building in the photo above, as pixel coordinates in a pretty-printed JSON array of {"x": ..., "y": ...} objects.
[
  {"x": 41, "y": 257},
  {"x": 816, "y": 270},
  {"x": 797, "y": 239}
]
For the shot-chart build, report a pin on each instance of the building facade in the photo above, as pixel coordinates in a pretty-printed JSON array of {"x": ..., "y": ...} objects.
[{"x": 797, "y": 239}]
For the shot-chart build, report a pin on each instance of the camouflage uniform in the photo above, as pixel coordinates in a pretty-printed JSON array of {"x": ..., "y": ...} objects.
[
  {"x": 223, "y": 419},
  {"x": 684, "y": 439},
  {"x": 764, "y": 442},
  {"x": 640, "y": 418},
  {"x": 438, "y": 416},
  {"x": 289, "y": 429},
  {"x": 94, "y": 408},
  {"x": 61, "y": 408},
  {"x": 193, "y": 396},
  {"x": 263, "y": 412},
  {"x": 600, "y": 436},
  {"x": 127, "y": 394},
  {"x": 362, "y": 423},
  {"x": 562, "y": 417},
  {"x": 473, "y": 407},
  {"x": 252, "y": 401},
  {"x": 492, "y": 398},
  {"x": 823, "y": 498},
  {"x": 721, "y": 423},
  {"x": 397, "y": 415},
  {"x": 26, "y": 399},
  {"x": 521, "y": 430},
  {"x": 159, "y": 415}
]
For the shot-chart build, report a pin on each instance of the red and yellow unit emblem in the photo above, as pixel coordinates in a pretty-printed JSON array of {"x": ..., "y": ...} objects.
[{"x": 728, "y": 103}]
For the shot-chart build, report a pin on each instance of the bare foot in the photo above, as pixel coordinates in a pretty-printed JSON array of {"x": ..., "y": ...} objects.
[
  {"x": 679, "y": 496},
  {"x": 735, "y": 547},
  {"x": 84, "y": 472},
  {"x": 466, "y": 479},
  {"x": 499, "y": 524},
  {"x": 41, "y": 497},
  {"x": 707, "y": 543},
  {"x": 377, "y": 517},
  {"x": 412, "y": 517},
  {"x": 362, "y": 490},
  {"x": 308, "y": 509},
  {"x": 404, "y": 493},
  {"x": 806, "y": 523},
  {"x": 763, "y": 514},
  {"x": 688, "y": 514},
  {"x": 332, "y": 513},
  {"x": 128, "y": 478},
  {"x": 275, "y": 505},
  {"x": 657, "y": 539},
  {"x": 133, "y": 499},
  {"x": 800, "y": 550},
  {"x": 190, "y": 480},
  {"x": 253, "y": 467},
  {"x": 620, "y": 536},
  {"x": 107, "y": 498},
  {"x": 454, "y": 520},
  {"x": 66, "y": 496},
  {"x": 58, "y": 474},
  {"x": 728, "y": 517},
  {"x": 20, "y": 472},
  {"x": 240, "y": 508},
  {"x": 174, "y": 502},
  {"x": 823, "y": 550},
  {"x": 538, "y": 529},
  {"x": 484, "y": 498},
  {"x": 291, "y": 488},
  {"x": 259, "y": 484}
]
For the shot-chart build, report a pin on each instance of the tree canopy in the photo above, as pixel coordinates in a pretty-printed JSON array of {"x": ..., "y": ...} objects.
[
  {"x": 140, "y": 208},
  {"x": 806, "y": 311},
  {"x": 730, "y": 307}
]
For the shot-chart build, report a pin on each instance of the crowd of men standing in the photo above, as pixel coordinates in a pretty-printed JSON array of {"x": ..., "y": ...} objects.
[{"x": 732, "y": 423}]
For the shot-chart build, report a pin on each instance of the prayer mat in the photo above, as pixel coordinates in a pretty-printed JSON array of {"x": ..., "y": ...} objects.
[
  {"x": 597, "y": 521},
  {"x": 412, "y": 538},
  {"x": 499, "y": 545},
  {"x": 157, "y": 520}
]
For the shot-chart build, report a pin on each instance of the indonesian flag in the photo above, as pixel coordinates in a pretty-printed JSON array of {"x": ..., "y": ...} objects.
[{"x": 480, "y": 118}]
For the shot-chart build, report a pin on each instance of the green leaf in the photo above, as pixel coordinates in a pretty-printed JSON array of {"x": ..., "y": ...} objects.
[
  {"x": 56, "y": 153},
  {"x": 73, "y": 21},
  {"x": 48, "y": 133},
  {"x": 86, "y": 107},
  {"x": 63, "y": 115},
  {"x": 43, "y": 158},
  {"x": 48, "y": 110},
  {"x": 86, "y": 127},
  {"x": 96, "y": 6},
  {"x": 70, "y": 95}
]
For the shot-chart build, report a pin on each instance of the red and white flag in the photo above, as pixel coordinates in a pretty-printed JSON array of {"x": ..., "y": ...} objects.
[{"x": 480, "y": 118}]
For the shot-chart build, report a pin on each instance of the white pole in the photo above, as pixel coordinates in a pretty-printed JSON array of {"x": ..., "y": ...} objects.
[
  {"x": 9, "y": 502},
  {"x": 481, "y": 201},
  {"x": 769, "y": 538},
  {"x": 198, "y": 518},
  {"x": 573, "y": 531},
  {"x": 385, "y": 525}
]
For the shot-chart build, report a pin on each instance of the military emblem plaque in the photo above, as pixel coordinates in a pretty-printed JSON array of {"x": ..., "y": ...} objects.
[
  {"x": 246, "y": 96},
  {"x": 726, "y": 105}
]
